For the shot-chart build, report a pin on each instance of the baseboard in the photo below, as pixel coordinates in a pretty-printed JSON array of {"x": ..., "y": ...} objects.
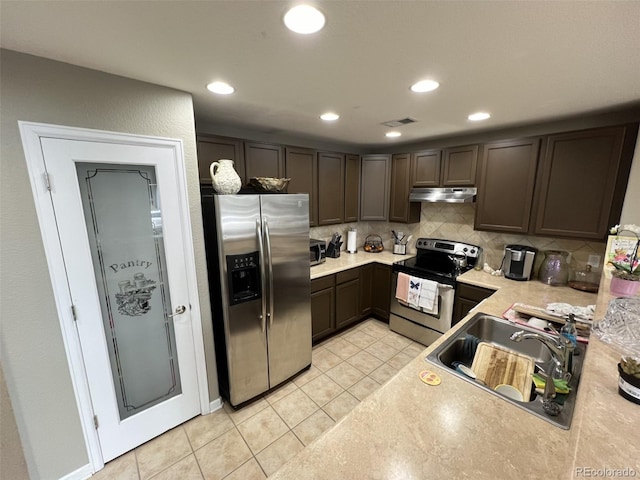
[
  {"x": 215, "y": 405},
  {"x": 82, "y": 473}
]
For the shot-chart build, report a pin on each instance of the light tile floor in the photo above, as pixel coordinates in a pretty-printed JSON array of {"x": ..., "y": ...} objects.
[{"x": 253, "y": 442}]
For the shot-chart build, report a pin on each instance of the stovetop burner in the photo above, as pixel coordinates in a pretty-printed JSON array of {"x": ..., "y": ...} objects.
[{"x": 436, "y": 260}]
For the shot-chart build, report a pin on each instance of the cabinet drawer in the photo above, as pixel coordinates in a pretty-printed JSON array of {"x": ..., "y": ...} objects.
[
  {"x": 322, "y": 283},
  {"x": 347, "y": 275},
  {"x": 471, "y": 292}
]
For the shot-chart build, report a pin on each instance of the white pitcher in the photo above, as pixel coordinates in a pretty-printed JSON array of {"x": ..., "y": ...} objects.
[{"x": 224, "y": 178}]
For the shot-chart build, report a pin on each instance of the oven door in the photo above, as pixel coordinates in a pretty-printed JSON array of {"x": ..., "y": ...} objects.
[{"x": 418, "y": 325}]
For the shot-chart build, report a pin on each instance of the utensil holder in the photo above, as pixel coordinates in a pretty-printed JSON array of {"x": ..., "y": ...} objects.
[{"x": 400, "y": 249}]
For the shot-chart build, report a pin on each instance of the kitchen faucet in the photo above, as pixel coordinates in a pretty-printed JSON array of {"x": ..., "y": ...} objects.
[{"x": 561, "y": 349}]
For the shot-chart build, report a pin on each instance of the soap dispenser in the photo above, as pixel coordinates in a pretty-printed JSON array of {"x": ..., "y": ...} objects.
[
  {"x": 570, "y": 334},
  {"x": 568, "y": 330}
]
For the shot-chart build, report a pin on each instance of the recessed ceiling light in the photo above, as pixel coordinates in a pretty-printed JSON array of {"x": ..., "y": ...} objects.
[
  {"x": 329, "y": 117},
  {"x": 221, "y": 88},
  {"x": 393, "y": 134},
  {"x": 304, "y": 19},
  {"x": 424, "y": 86},
  {"x": 475, "y": 117}
]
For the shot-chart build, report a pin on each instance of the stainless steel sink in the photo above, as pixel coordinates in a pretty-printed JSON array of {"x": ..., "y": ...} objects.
[{"x": 497, "y": 331}]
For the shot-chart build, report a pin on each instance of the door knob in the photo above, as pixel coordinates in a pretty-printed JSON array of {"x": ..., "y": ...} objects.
[{"x": 180, "y": 309}]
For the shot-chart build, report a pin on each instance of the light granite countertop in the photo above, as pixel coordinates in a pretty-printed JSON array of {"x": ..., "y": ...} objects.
[
  {"x": 409, "y": 430},
  {"x": 352, "y": 260}
]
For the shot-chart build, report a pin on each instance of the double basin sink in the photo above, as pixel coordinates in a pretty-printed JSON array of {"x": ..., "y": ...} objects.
[{"x": 498, "y": 331}]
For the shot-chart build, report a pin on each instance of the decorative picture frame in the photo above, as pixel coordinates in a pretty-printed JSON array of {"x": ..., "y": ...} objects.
[{"x": 618, "y": 247}]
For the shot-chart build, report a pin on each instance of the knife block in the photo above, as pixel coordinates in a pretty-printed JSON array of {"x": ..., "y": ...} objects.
[{"x": 333, "y": 249}]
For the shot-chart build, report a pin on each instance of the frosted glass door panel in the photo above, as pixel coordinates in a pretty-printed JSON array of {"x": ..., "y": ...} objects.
[{"x": 124, "y": 224}]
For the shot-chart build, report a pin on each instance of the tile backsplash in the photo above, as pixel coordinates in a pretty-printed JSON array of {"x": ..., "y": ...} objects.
[{"x": 454, "y": 221}]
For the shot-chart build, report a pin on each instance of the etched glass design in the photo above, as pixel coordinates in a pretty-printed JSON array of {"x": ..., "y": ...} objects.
[{"x": 124, "y": 225}]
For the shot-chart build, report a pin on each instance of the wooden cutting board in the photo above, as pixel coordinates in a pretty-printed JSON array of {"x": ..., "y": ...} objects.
[
  {"x": 542, "y": 313},
  {"x": 494, "y": 366}
]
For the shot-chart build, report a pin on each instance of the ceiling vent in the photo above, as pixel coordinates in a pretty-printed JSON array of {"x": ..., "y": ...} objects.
[{"x": 398, "y": 123}]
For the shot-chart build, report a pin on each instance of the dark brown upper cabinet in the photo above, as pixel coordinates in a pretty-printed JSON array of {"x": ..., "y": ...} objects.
[
  {"x": 331, "y": 175},
  {"x": 351, "y": 187},
  {"x": 449, "y": 167},
  {"x": 301, "y": 166},
  {"x": 400, "y": 209},
  {"x": 374, "y": 187},
  {"x": 505, "y": 188},
  {"x": 212, "y": 148},
  {"x": 577, "y": 183},
  {"x": 459, "y": 166},
  {"x": 263, "y": 160},
  {"x": 426, "y": 168}
]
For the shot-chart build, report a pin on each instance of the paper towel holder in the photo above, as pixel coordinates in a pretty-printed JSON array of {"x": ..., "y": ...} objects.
[{"x": 352, "y": 243}]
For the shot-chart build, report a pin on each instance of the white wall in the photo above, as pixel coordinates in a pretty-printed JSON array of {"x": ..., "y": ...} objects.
[
  {"x": 32, "y": 351},
  {"x": 12, "y": 463}
]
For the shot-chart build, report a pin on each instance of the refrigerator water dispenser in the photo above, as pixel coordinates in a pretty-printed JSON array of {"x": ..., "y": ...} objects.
[{"x": 244, "y": 277}]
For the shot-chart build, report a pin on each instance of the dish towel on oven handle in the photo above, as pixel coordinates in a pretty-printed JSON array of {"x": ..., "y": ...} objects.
[
  {"x": 413, "y": 297},
  {"x": 428, "y": 300},
  {"x": 402, "y": 287}
]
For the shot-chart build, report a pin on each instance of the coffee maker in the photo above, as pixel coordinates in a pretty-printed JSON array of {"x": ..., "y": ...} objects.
[{"x": 518, "y": 262}]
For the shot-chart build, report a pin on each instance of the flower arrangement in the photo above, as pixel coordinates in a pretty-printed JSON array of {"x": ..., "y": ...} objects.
[{"x": 626, "y": 262}]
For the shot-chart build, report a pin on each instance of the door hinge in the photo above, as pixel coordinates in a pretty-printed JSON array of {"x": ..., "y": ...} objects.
[
  {"x": 47, "y": 181},
  {"x": 95, "y": 421},
  {"x": 74, "y": 313}
]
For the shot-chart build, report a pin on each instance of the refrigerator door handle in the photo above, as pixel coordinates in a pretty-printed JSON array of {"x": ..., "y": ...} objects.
[
  {"x": 263, "y": 315},
  {"x": 270, "y": 263}
]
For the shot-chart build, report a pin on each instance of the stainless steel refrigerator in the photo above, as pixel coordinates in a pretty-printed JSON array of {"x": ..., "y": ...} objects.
[{"x": 258, "y": 262}]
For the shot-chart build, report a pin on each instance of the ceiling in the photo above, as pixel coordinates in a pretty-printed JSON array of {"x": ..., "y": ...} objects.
[{"x": 522, "y": 61}]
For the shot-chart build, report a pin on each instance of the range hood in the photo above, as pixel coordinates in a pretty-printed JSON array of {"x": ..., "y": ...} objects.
[{"x": 449, "y": 195}]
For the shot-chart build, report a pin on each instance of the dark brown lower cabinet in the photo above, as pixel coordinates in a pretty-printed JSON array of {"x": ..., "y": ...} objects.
[
  {"x": 346, "y": 297},
  {"x": 366, "y": 282},
  {"x": 380, "y": 291},
  {"x": 323, "y": 307},
  {"x": 467, "y": 297}
]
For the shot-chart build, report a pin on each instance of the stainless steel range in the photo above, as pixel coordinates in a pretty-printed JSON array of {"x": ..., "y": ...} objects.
[{"x": 424, "y": 288}]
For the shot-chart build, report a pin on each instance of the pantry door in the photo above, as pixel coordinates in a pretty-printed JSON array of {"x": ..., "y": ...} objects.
[{"x": 121, "y": 227}]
